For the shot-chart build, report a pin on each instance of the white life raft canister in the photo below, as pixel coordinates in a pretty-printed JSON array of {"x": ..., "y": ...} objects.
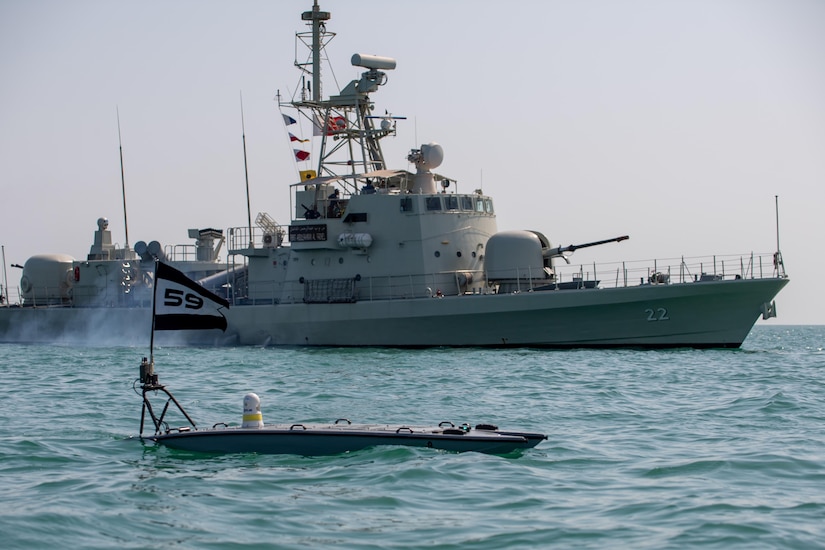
[{"x": 252, "y": 417}]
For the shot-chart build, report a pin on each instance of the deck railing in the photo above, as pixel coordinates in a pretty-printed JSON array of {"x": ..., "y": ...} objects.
[
  {"x": 683, "y": 270},
  {"x": 674, "y": 270},
  {"x": 11, "y": 296}
]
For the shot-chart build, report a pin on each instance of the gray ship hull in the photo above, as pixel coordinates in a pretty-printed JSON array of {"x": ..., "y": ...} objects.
[
  {"x": 706, "y": 314},
  {"x": 702, "y": 314}
]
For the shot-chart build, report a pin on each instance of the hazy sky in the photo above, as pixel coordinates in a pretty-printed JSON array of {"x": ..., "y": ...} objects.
[{"x": 676, "y": 122}]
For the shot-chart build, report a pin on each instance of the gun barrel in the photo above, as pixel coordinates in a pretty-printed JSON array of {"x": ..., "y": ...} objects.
[{"x": 559, "y": 250}]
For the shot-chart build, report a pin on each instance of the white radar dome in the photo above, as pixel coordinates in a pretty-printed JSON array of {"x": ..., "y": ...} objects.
[{"x": 432, "y": 155}]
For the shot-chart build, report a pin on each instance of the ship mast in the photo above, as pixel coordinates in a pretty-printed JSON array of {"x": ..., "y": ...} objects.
[
  {"x": 349, "y": 140},
  {"x": 316, "y": 18}
]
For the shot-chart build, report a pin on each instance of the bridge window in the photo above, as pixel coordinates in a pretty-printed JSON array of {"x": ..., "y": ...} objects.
[
  {"x": 451, "y": 202},
  {"x": 433, "y": 203}
]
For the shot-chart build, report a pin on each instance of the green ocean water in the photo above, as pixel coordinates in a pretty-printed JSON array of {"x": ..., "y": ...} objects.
[{"x": 646, "y": 449}]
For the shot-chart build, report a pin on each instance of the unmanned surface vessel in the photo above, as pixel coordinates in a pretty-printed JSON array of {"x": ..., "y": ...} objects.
[{"x": 341, "y": 436}]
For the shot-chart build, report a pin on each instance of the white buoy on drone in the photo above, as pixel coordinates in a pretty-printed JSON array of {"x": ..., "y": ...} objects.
[{"x": 252, "y": 417}]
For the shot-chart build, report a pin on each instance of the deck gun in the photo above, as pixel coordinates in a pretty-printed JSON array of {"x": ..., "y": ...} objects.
[{"x": 562, "y": 251}]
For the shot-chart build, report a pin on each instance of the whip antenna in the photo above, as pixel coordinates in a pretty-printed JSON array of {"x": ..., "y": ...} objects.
[
  {"x": 778, "y": 264},
  {"x": 776, "y": 198},
  {"x": 246, "y": 175},
  {"x": 122, "y": 179}
]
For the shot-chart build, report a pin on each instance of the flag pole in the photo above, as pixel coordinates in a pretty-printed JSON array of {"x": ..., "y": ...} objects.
[
  {"x": 148, "y": 378},
  {"x": 152, "y": 332}
]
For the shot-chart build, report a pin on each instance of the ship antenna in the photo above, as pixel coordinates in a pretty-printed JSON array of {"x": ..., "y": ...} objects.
[
  {"x": 776, "y": 198},
  {"x": 5, "y": 277},
  {"x": 246, "y": 175},
  {"x": 122, "y": 179},
  {"x": 317, "y": 17},
  {"x": 778, "y": 264}
]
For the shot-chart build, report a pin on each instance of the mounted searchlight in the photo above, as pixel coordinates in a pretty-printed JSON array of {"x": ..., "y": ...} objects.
[{"x": 374, "y": 62}]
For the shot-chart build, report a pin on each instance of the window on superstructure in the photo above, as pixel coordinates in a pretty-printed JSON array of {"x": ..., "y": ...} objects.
[
  {"x": 451, "y": 202},
  {"x": 467, "y": 202},
  {"x": 406, "y": 204},
  {"x": 433, "y": 203},
  {"x": 480, "y": 205},
  {"x": 488, "y": 205}
]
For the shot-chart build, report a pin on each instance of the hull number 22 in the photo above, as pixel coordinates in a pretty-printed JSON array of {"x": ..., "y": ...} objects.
[{"x": 658, "y": 314}]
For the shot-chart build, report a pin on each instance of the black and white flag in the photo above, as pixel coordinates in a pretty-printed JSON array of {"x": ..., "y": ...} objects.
[{"x": 183, "y": 304}]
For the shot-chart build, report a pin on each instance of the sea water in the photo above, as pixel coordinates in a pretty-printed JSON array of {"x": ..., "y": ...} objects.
[{"x": 647, "y": 449}]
